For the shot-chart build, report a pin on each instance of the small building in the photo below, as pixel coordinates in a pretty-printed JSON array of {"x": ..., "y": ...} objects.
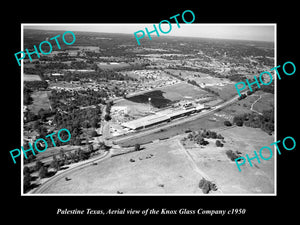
[{"x": 57, "y": 74}]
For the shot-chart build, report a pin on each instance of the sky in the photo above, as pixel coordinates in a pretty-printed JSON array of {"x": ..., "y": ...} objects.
[{"x": 255, "y": 32}]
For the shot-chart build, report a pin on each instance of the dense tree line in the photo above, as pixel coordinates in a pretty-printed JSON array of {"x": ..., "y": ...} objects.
[
  {"x": 99, "y": 75},
  {"x": 211, "y": 91},
  {"x": 268, "y": 88},
  {"x": 242, "y": 96},
  {"x": 199, "y": 137},
  {"x": 193, "y": 82},
  {"x": 236, "y": 77},
  {"x": 265, "y": 121},
  {"x": 67, "y": 101},
  {"x": 76, "y": 119},
  {"x": 35, "y": 85},
  {"x": 27, "y": 99}
]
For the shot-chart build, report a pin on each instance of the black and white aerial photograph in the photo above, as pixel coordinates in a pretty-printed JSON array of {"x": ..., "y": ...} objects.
[{"x": 162, "y": 117}]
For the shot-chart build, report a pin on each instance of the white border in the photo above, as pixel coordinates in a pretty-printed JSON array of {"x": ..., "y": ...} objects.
[{"x": 138, "y": 26}]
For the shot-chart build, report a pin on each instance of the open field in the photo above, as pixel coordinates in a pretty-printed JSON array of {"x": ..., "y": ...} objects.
[
  {"x": 31, "y": 77},
  {"x": 266, "y": 102},
  {"x": 166, "y": 167},
  {"x": 160, "y": 168},
  {"x": 182, "y": 91},
  {"x": 162, "y": 97},
  {"x": 225, "y": 92},
  {"x": 40, "y": 101},
  {"x": 200, "y": 78},
  {"x": 112, "y": 65},
  {"x": 215, "y": 163},
  {"x": 134, "y": 109}
]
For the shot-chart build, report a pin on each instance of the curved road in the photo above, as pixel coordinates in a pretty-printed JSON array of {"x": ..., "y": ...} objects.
[{"x": 44, "y": 186}]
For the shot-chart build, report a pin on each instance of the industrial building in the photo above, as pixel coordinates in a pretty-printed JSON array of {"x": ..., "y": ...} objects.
[{"x": 162, "y": 116}]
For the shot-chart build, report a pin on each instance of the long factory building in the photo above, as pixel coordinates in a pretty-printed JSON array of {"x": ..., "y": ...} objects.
[{"x": 161, "y": 116}]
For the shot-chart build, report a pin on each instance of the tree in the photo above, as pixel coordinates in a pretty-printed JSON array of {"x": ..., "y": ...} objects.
[
  {"x": 200, "y": 140},
  {"x": 137, "y": 147},
  {"x": 42, "y": 114},
  {"x": 43, "y": 172},
  {"x": 26, "y": 170},
  {"x": 95, "y": 123},
  {"x": 90, "y": 148},
  {"x": 219, "y": 144},
  {"x": 227, "y": 123},
  {"x": 207, "y": 186},
  {"x": 36, "y": 125},
  {"x": 62, "y": 154},
  {"x": 102, "y": 146},
  {"x": 232, "y": 155},
  {"x": 213, "y": 135},
  {"x": 94, "y": 133},
  {"x": 27, "y": 182},
  {"x": 242, "y": 96},
  {"x": 38, "y": 165},
  {"x": 108, "y": 107},
  {"x": 54, "y": 164},
  {"x": 107, "y": 117},
  {"x": 238, "y": 120},
  {"x": 82, "y": 155},
  {"x": 239, "y": 123}
]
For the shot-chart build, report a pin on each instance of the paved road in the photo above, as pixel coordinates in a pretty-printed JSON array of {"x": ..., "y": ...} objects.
[{"x": 43, "y": 187}]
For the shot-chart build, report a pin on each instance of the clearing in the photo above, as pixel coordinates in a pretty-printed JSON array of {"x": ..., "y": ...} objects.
[
  {"x": 166, "y": 167},
  {"x": 215, "y": 163},
  {"x": 161, "y": 168},
  {"x": 40, "y": 101}
]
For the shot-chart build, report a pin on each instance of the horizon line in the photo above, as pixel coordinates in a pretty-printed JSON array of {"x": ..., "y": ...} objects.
[{"x": 242, "y": 32}]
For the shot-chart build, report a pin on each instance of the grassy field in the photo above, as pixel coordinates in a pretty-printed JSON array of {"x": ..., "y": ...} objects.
[
  {"x": 31, "y": 77},
  {"x": 225, "y": 92},
  {"x": 165, "y": 167},
  {"x": 160, "y": 168},
  {"x": 134, "y": 109},
  {"x": 162, "y": 97},
  {"x": 214, "y": 162},
  {"x": 40, "y": 100},
  {"x": 111, "y": 66},
  {"x": 266, "y": 102},
  {"x": 182, "y": 91}
]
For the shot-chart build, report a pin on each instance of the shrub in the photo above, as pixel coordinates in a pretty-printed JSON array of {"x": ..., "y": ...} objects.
[
  {"x": 201, "y": 141},
  {"x": 207, "y": 186},
  {"x": 227, "y": 123},
  {"x": 107, "y": 117},
  {"x": 137, "y": 147},
  {"x": 38, "y": 165},
  {"x": 27, "y": 182},
  {"x": 239, "y": 123},
  {"x": 219, "y": 144},
  {"x": 94, "y": 134},
  {"x": 26, "y": 170},
  {"x": 43, "y": 172},
  {"x": 233, "y": 155}
]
